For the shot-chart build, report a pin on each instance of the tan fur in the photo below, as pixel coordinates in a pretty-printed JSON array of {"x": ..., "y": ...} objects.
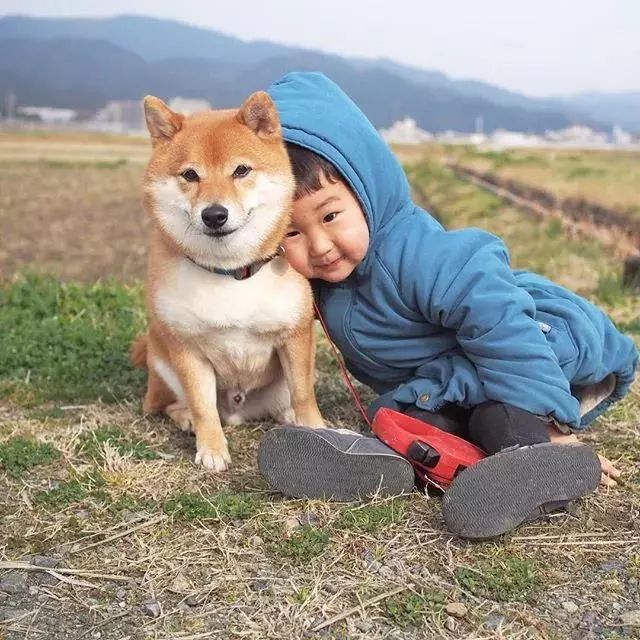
[
  {"x": 220, "y": 350},
  {"x": 138, "y": 352}
]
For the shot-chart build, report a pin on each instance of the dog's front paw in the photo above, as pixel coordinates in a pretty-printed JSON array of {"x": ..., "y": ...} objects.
[
  {"x": 215, "y": 461},
  {"x": 310, "y": 419}
]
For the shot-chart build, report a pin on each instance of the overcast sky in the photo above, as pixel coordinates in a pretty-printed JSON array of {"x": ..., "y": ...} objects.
[{"x": 539, "y": 48}]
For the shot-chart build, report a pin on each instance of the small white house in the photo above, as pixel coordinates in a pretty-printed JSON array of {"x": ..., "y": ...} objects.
[
  {"x": 405, "y": 131},
  {"x": 48, "y": 115}
]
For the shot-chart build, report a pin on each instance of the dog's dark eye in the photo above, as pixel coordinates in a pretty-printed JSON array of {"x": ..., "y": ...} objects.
[
  {"x": 241, "y": 171},
  {"x": 190, "y": 175}
]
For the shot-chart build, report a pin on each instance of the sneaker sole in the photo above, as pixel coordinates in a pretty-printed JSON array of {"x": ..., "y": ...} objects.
[
  {"x": 299, "y": 463},
  {"x": 502, "y": 491}
]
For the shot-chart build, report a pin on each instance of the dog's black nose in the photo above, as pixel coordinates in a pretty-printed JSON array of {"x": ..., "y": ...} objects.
[{"x": 215, "y": 216}]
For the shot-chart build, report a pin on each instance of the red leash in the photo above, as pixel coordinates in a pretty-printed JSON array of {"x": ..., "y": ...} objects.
[
  {"x": 436, "y": 456},
  {"x": 345, "y": 373}
]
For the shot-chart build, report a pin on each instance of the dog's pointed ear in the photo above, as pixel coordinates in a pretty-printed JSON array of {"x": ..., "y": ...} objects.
[
  {"x": 162, "y": 123},
  {"x": 261, "y": 116}
]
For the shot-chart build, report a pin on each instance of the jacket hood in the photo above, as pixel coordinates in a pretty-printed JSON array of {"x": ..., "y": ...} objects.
[{"x": 316, "y": 114}]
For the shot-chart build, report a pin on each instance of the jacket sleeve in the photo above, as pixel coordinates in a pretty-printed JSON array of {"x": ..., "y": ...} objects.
[{"x": 464, "y": 282}]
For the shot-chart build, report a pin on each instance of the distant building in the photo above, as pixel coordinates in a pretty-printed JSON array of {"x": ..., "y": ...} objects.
[
  {"x": 187, "y": 106},
  {"x": 120, "y": 116},
  {"x": 48, "y": 115},
  {"x": 456, "y": 137},
  {"x": 577, "y": 136},
  {"x": 504, "y": 139},
  {"x": 10, "y": 103},
  {"x": 127, "y": 116},
  {"x": 620, "y": 137},
  {"x": 405, "y": 132}
]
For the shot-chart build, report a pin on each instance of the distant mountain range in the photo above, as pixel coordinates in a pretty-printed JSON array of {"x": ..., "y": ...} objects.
[{"x": 84, "y": 63}]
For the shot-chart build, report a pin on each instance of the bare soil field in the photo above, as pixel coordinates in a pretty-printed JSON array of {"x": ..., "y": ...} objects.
[{"x": 72, "y": 206}]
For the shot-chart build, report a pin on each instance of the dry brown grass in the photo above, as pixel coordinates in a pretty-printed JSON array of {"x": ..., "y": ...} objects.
[
  {"x": 609, "y": 178},
  {"x": 81, "y": 222},
  {"x": 75, "y": 146},
  {"x": 230, "y": 577}
]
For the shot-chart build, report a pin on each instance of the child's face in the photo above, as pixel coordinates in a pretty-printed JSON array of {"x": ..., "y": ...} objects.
[{"x": 328, "y": 236}]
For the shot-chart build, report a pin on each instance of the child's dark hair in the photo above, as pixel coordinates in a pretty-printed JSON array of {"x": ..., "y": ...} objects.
[{"x": 308, "y": 169}]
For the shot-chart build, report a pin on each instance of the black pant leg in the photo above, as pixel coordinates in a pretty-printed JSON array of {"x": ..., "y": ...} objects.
[
  {"x": 494, "y": 426},
  {"x": 450, "y": 418}
]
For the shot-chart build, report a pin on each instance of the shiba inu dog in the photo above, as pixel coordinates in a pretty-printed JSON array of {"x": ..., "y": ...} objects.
[{"x": 230, "y": 333}]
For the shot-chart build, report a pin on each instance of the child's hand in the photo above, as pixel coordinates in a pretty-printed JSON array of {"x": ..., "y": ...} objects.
[{"x": 609, "y": 472}]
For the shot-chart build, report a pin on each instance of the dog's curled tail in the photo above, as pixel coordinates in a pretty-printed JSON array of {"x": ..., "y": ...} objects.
[{"x": 138, "y": 351}]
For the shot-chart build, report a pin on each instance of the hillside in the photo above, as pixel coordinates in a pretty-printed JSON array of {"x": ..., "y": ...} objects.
[{"x": 83, "y": 63}]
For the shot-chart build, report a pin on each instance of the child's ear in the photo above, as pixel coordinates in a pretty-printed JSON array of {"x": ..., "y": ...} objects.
[
  {"x": 162, "y": 123},
  {"x": 259, "y": 114}
]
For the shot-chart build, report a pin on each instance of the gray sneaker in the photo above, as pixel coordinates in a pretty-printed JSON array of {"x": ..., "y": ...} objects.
[
  {"x": 518, "y": 485},
  {"x": 331, "y": 464}
]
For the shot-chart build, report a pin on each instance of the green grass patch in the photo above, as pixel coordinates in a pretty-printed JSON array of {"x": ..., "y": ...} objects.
[
  {"x": 18, "y": 546},
  {"x": 620, "y": 446},
  {"x": 19, "y": 454},
  {"x": 554, "y": 229},
  {"x": 129, "y": 502},
  {"x": 371, "y": 518},
  {"x": 498, "y": 158},
  {"x": 633, "y": 566},
  {"x": 45, "y": 412},
  {"x": 216, "y": 506},
  {"x": 503, "y": 580},
  {"x": 299, "y": 547},
  {"x": 304, "y": 544},
  {"x": 633, "y": 326},
  {"x": 508, "y": 157},
  {"x": 611, "y": 290},
  {"x": 92, "y": 444},
  {"x": 409, "y": 609},
  {"x": 74, "y": 490},
  {"x": 69, "y": 341},
  {"x": 301, "y": 596},
  {"x": 582, "y": 171}
]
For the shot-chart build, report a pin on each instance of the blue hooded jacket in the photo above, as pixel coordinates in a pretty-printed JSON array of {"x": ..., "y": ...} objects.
[{"x": 436, "y": 316}]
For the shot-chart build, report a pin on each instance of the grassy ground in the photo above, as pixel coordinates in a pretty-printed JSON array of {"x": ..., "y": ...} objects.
[
  {"x": 145, "y": 545},
  {"x": 603, "y": 177}
]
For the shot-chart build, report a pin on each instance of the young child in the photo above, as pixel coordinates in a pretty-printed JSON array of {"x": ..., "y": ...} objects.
[{"x": 438, "y": 324}]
